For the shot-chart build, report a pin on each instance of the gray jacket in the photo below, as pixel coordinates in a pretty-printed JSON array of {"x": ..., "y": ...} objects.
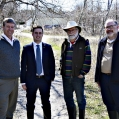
[{"x": 9, "y": 59}]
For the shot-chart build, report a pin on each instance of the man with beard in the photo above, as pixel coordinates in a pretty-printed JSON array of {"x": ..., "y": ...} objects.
[
  {"x": 107, "y": 73},
  {"x": 75, "y": 64}
]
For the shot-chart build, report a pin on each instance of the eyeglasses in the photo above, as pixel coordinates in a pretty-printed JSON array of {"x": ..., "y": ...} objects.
[{"x": 110, "y": 27}]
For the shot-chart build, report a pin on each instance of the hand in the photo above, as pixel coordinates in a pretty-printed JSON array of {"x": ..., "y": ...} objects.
[
  {"x": 80, "y": 76},
  {"x": 24, "y": 86}
]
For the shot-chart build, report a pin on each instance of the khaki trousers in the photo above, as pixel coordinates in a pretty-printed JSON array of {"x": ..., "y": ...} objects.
[{"x": 8, "y": 97}]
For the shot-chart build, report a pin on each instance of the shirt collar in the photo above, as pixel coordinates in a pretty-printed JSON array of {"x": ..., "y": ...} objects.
[
  {"x": 7, "y": 37},
  {"x": 110, "y": 41},
  {"x": 34, "y": 43},
  {"x": 8, "y": 40}
]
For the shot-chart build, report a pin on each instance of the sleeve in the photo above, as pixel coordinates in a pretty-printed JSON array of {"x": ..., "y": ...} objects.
[
  {"x": 23, "y": 66},
  {"x": 87, "y": 60},
  {"x": 97, "y": 68},
  {"x": 52, "y": 64},
  {"x": 60, "y": 61}
]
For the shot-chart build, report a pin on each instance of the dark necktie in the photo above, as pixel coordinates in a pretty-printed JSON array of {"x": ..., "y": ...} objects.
[{"x": 38, "y": 60}]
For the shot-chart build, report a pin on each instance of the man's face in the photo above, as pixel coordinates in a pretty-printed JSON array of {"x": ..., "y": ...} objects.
[
  {"x": 111, "y": 28},
  {"x": 8, "y": 29},
  {"x": 37, "y": 35},
  {"x": 72, "y": 33}
]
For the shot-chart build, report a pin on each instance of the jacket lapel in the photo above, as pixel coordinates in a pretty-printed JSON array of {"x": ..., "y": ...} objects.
[{"x": 43, "y": 51}]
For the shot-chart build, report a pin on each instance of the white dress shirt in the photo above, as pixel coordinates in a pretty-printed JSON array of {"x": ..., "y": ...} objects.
[
  {"x": 8, "y": 40},
  {"x": 35, "y": 46}
]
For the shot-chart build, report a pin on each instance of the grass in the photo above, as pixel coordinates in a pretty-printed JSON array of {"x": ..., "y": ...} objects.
[
  {"x": 95, "y": 108},
  {"x": 55, "y": 43},
  {"x": 24, "y": 41},
  {"x": 27, "y": 31}
]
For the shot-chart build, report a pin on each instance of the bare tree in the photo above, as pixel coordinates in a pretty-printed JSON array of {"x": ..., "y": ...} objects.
[
  {"x": 9, "y": 7},
  {"x": 104, "y": 19},
  {"x": 93, "y": 13},
  {"x": 36, "y": 3},
  {"x": 90, "y": 14},
  {"x": 82, "y": 11}
]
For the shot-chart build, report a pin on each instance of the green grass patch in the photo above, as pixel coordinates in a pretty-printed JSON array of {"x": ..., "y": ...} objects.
[
  {"x": 56, "y": 45},
  {"x": 24, "y": 41},
  {"x": 27, "y": 31}
]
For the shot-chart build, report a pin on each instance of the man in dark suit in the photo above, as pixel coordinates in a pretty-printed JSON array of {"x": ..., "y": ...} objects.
[{"x": 37, "y": 72}]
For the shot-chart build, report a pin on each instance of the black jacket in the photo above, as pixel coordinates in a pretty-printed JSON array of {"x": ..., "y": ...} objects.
[
  {"x": 78, "y": 58},
  {"x": 115, "y": 60},
  {"x": 28, "y": 64}
]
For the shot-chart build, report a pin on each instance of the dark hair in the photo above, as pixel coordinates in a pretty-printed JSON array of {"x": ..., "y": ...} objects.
[
  {"x": 36, "y": 27},
  {"x": 8, "y": 20}
]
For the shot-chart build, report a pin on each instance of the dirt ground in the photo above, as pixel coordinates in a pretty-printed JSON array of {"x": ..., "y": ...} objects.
[{"x": 58, "y": 107}]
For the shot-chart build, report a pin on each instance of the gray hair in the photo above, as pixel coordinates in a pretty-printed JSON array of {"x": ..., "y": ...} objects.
[{"x": 111, "y": 20}]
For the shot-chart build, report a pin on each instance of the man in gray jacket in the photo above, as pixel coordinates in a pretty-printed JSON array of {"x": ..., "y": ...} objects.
[{"x": 9, "y": 69}]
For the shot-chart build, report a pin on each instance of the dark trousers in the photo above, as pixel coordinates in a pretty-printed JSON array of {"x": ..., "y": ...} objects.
[
  {"x": 110, "y": 94},
  {"x": 76, "y": 85},
  {"x": 44, "y": 88}
]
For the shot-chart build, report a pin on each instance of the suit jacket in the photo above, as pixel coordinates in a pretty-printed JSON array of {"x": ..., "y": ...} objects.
[{"x": 28, "y": 64}]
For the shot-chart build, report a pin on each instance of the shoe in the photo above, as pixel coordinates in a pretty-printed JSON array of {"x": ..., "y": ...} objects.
[{"x": 81, "y": 114}]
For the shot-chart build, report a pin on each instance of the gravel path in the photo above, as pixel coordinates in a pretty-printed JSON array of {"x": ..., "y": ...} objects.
[{"x": 58, "y": 107}]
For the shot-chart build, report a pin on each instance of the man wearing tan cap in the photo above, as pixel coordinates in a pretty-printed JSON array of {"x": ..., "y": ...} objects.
[
  {"x": 75, "y": 64},
  {"x": 107, "y": 68}
]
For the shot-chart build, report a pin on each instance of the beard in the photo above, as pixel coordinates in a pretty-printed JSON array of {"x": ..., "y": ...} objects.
[
  {"x": 72, "y": 37},
  {"x": 111, "y": 33}
]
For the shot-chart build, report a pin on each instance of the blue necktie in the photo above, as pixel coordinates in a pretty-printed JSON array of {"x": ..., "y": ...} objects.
[{"x": 38, "y": 60}]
